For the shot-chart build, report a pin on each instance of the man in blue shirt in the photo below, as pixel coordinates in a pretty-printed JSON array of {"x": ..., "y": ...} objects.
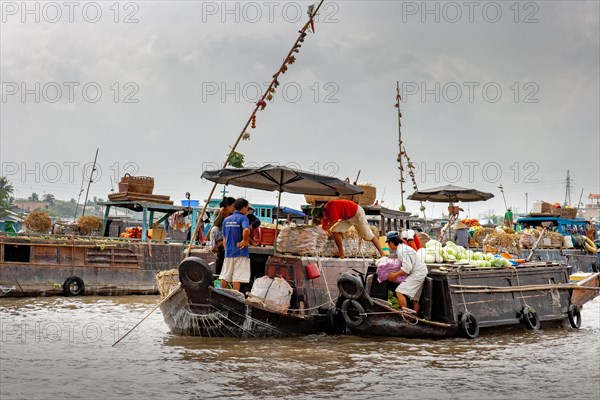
[{"x": 236, "y": 237}]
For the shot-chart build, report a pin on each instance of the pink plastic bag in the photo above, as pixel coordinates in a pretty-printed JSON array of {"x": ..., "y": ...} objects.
[{"x": 385, "y": 266}]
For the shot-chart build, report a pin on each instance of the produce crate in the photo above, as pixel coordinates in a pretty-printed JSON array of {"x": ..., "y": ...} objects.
[
  {"x": 568, "y": 213},
  {"x": 267, "y": 236},
  {"x": 366, "y": 199}
]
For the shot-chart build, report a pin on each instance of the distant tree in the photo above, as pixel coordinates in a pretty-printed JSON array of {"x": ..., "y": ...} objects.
[
  {"x": 6, "y": 189},
  {"x": 49, "y": 198},
  {"x": 34, "y": 197}
]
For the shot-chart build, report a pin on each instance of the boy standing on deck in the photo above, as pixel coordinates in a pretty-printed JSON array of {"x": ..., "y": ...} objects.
[{"x": 236, "y": 237}]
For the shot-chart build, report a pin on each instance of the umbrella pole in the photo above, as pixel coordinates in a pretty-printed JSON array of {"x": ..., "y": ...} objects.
[{"x": 277, "y": 222}]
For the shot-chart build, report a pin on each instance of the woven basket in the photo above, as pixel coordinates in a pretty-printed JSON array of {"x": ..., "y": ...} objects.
[
  {"x": 366, "y": 199},
  {"x": 546, "y": 208},
  {"x": 166, "y": 281},
  {"x": 138, "y": 184},
  {"x": 557, "y": 211},
  {"x": 568, "y": 213}
]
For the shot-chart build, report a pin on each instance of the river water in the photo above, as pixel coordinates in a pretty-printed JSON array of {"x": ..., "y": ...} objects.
[{"x": 59, "y": 347}]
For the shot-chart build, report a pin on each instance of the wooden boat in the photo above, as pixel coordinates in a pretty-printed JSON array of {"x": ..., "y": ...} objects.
[
  {"x": 200, "y": 309},
  {"x": 45, "y": 265},
  {"x": 458, "y": 301}
]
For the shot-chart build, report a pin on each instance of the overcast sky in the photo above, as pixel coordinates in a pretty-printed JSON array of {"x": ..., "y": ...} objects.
[{"x": 494, "y": 93}]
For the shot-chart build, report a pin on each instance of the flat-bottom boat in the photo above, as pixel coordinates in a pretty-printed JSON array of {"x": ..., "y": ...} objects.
[
  {"x": 458, "y": 301},
  {"x": 197, "y": 308}
]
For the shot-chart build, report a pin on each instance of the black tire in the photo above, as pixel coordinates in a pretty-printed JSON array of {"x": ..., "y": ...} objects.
[
  {"x": 469, "y": 325},
  {"x": 353, "y": 313},
  {"x": 73, "y": 286},
  {"x": 574, "y": 315},
  {"x": 195, "y": 274},
  {"x": 350, "y": 286},
  {"x": 530, "y": 318}
]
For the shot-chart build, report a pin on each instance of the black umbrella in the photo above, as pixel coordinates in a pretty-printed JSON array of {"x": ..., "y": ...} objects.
[
  {"x": 282, "y": 179},
  {"x": 450, "y": 194}
]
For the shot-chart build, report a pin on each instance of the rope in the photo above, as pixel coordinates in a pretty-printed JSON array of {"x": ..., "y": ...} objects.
[
  {"x": 462, "y": 294},
  {"x": 320, "y": 266},
  {"x": 525, "y": 287},
  {"x": 309, "y": 309}
]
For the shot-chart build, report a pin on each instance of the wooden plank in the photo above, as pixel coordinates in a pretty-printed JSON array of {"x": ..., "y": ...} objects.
[
  {"x": 135, "y": 194},
  {"x": 580, "y": 297}
]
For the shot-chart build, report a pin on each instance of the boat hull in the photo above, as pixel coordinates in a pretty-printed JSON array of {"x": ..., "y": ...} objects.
[
  {"x": 458, "y": 302},
  {"x": 226, "y": 313},
  {"x": 32, "y": 266}
]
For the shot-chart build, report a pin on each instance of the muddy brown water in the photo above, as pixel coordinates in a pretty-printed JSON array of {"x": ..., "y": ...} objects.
[{"x": 57, "y": 347}]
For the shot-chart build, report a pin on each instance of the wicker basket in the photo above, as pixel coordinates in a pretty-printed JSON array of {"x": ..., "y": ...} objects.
[
  {"x": 138, "y": 184},
  {"x": 546, "y": 208},
  {"x": 568, "y": 213},
  {"x": 366, "y": 199},
  {"x": 557, "y": 211},
  {"x": 166, "y": 281}
]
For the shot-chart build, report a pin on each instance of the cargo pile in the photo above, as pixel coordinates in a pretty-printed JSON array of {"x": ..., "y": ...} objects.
[
  {"x": 132, "y": 233},
  {"x": 302, "y": 240},
  {"x": 434, "y": 252},
  {"x": 90, "y": 225},
  {"x": 38, "y": 222},
  {"x": 138, "y": 188}
]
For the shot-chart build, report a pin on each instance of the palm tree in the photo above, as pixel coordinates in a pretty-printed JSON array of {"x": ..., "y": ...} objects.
[
  {"x": 49, "y": 198},
  {"x": 6, "y": 189},
  {"x": 34, "y": 197}
]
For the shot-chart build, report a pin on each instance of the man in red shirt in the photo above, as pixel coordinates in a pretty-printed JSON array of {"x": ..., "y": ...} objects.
[{"x": 338, "y": 215}]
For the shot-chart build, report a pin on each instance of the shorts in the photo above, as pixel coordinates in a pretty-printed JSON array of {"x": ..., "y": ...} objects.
[
  {"x": 359, "y": 221},
  {"x": 412, "y": 286},
  {"x": 236, "y": 269}
]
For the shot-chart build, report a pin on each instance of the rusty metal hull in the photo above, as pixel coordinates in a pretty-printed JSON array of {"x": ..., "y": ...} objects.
[{"x": 33, "y": 266}]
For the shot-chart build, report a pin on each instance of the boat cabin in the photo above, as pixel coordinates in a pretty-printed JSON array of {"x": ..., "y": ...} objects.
[{"x": 564, "y": 226}]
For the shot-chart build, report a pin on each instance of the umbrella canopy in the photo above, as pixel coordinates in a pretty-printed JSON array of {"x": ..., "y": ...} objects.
[
  {"x": 450, "y": 194},
  {"x": 282, "y": 179}
]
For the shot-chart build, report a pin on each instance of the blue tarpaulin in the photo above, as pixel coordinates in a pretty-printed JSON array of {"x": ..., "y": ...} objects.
[{"x": 285, "y": 211}]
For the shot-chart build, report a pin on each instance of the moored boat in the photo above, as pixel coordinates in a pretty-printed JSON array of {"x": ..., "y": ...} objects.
[
  {"x": 197, "y": 308},
  {"x": 459, "y": 301},
  {"x": 73, "y": 265}
]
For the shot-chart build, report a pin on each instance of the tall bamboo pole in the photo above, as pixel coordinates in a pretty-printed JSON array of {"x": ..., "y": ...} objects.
[
  {"x": 261, "y": 104},
  {"x": 400, "y": 150}
]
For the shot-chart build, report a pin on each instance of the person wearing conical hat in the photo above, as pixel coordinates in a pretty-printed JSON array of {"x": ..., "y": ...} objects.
[{"x": 461, "y": 234}]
